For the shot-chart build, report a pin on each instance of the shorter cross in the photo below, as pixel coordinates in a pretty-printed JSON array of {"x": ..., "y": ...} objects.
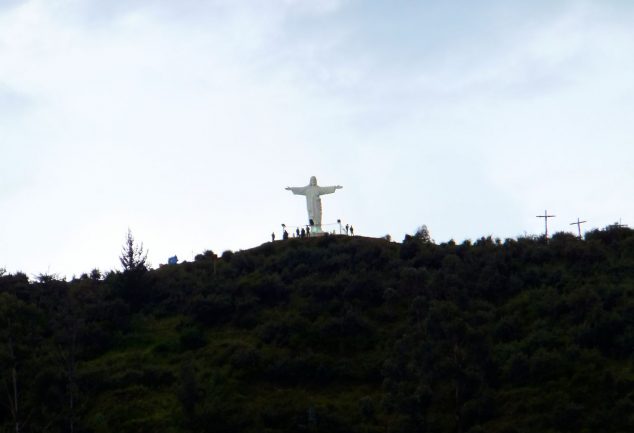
[
  {"x": 578, "y": 224},
  {"x": 546, "y": 216},
  {"x": 619, "y": 225}
]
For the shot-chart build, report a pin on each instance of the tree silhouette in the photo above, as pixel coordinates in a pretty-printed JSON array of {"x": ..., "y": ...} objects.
[
  {"x": 422, "y": 234},
  {"x": 133, "y": 257}
]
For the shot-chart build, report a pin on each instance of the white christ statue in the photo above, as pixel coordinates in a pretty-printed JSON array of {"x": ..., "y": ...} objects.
[{"x": 312, "y": 191}]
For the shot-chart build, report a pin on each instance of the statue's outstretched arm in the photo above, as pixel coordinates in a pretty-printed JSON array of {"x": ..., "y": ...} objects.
[
  {"x": 329, "y": 189},
  {"x": 299, "y": 190}
]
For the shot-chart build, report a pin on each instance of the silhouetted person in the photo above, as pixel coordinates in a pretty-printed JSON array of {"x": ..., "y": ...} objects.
[
  {"x": 273, "y": 237},
  {"x": 351, "y": 231},
  {"x": 308, "y": 231},
  {"x": 302, "y": 233},
  {"x": 297, "y": 231},
  {"x": 347, "y": 228},
  {"x": 285, "y": 235}
]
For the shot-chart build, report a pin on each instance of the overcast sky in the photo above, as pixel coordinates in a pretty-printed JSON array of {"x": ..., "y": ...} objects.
[{"x": 185, "y": 120}]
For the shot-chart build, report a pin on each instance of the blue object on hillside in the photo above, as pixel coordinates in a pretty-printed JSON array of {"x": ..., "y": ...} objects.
[{"x": 172, "y": 260}]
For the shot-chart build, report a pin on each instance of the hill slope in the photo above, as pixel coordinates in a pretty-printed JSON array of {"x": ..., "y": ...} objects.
[{"x": 334, "y": 334}]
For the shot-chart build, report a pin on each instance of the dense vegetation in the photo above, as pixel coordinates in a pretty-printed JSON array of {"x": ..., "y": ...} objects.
[{"x": 332, "y": 334}]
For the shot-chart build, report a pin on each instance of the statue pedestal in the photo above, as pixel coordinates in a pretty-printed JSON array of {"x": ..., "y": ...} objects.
[
  {"x": 317, "y": 234},
  {"x": 320, "y": 231},
  {"x": 317, "y": 231}
]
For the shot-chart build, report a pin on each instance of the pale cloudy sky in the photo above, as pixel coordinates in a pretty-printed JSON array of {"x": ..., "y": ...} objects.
[{"x": 184, "y": 120}]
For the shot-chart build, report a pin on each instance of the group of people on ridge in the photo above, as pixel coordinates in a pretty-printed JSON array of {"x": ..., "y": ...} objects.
[{"x": 305, "y": 232}]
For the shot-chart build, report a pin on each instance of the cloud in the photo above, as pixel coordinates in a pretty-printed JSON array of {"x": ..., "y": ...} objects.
[
  {"x": 12, "y": 103},
  {"x": 150, "y": 121},
  {"x": 185, "y": 120}
]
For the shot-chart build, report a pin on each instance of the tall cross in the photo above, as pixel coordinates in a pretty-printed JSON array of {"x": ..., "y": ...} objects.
[
  {"x": 578, "y": 224},
  {"x": 546, "y": 216}
]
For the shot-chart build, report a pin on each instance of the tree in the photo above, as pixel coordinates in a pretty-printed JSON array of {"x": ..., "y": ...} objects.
[
  {"x": 67, "y": 325},
  {"x": 133, "y": 257},
  {"x": 422, "y": 234},
  {"x": 133, "y": 285},
  {"x": 19, "y": 331}
]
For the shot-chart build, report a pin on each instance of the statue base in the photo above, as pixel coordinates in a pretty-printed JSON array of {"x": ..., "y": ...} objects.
[
  {"x": 315, "y": 229},
  {"x": 317, "y": 234}
]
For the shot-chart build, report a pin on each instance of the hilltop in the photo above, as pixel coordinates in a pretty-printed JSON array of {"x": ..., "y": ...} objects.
[{"x": 332, "y": 334}]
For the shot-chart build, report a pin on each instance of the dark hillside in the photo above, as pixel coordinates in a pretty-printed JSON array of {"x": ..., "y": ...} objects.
[{"x": 333, "y": 334}]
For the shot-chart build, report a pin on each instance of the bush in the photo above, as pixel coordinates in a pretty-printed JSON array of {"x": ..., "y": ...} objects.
[{"x": 192, "y": 338}]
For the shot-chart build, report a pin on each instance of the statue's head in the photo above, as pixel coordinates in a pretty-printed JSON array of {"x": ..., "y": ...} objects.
[{"x": 313, "y": 181}]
